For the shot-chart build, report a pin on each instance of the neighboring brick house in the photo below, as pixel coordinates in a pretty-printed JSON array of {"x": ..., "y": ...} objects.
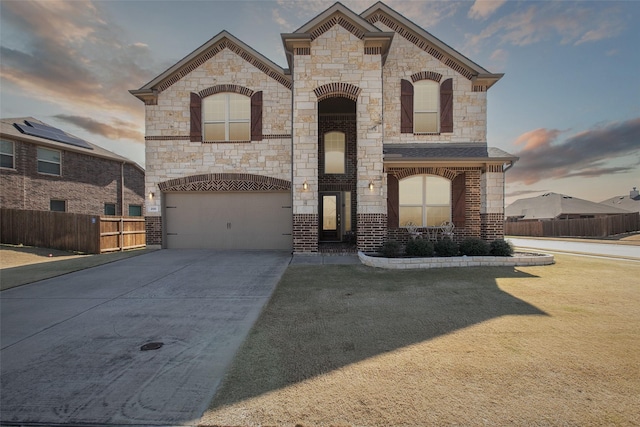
[
  {"x": 376, "y": 124},
  {"x": 39, "y": 172}
]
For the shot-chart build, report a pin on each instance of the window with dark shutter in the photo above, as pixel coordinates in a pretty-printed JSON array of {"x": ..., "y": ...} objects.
[
  {"x": 393, "y": 202},
  {"x": 446, "y": 106},
  {"x": 256, "y": 116},
  {"x": 195, "y": 111},
  {"x": 406, "y": 106},
  {"x": 458, "y": 200}
]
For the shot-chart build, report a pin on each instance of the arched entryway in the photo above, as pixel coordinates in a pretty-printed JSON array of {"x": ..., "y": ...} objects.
[{"x": 337, "y": 169}]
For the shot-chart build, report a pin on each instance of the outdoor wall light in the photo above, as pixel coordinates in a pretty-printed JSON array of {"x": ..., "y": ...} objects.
[
  {"x": 371, "y": 185},
  {"x": 305, "y": 186},
  {"x": 151, "y": 195}
]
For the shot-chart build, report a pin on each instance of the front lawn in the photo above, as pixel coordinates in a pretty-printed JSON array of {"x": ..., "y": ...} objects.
[{"x": 357, "y": 346}]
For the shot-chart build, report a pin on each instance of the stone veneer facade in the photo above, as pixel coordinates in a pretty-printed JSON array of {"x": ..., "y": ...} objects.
[{"x": 337, "y": 55}]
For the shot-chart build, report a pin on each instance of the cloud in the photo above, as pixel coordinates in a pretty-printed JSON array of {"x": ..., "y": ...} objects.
[
  {"x": 549, "y": 21},
  {"x": 72, "y": 56},
  {"x": 119, "y": 129},
  {"x": 585, "y": 154},
  {"x": 482, "y": 9}
]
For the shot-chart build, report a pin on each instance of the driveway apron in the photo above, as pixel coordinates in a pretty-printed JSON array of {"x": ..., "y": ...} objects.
[{"x": 73, "y": 347}]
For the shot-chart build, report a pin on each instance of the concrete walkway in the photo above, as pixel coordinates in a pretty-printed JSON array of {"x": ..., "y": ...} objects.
[{"x": 72, "y": 346}]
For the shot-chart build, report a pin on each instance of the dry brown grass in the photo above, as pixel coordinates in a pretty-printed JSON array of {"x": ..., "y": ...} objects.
[{"x": 354, "y": 346}]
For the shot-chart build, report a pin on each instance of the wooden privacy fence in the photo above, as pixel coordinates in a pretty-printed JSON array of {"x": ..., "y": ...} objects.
[
  {"x": 71, "y": 232},
  {"x": 583, "y": 227}
]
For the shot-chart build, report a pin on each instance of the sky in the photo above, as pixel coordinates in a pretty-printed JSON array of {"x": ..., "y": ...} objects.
[{"x": 568, "y": 105}]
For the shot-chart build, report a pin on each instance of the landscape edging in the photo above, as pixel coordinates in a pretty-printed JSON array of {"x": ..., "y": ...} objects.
[{"x": 517, "y": 260}]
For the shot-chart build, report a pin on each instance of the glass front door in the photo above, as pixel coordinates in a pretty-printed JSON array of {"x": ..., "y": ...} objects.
[{"x": 331, "y": 221}]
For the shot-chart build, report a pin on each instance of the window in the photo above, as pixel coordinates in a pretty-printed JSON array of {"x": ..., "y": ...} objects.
[
  {"x": 227, "y": 117},
  {"x": 49, "y": 161},
  {"x": 7, "y": 155},
  {"x": 425, "y": 106},
  {"x": 135, "y": 210},
  {"x": 58, "y": 205},
  {"x": 334, "y": 152},
  {"x": 109, "y": 208},
  {"x": 425, "y": 200}
]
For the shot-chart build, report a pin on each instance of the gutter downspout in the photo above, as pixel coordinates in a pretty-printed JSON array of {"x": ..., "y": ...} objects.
[{"x": 504, "y": 195}]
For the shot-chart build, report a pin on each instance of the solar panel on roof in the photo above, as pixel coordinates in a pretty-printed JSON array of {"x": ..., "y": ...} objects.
[{"x": 50, "y": 133}]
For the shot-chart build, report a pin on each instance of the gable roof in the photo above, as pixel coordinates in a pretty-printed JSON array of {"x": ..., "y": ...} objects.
[
  {"x": 223, "y": 40},
  {"x": 338, "y": 14},
  {"x": 431, "y": 44},
  {"x": 553, "y": 205},
  {"x": 10, "y": 131}
]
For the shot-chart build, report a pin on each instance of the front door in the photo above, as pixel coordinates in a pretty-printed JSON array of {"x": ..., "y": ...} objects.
[{"x": 331, "y": 217}]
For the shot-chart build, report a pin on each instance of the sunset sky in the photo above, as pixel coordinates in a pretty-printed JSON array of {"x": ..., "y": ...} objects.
[{"x": 569, "y": 104}]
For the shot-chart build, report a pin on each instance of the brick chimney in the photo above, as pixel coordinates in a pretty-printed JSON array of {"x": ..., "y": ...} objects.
[{"x": 633, "y": 194}]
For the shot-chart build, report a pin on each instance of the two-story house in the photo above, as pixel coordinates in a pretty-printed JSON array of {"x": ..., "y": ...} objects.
[{"x": 375, "y": 125}]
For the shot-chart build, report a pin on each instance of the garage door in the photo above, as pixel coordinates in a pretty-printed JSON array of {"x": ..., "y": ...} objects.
[{"x": 248, "y": 220}]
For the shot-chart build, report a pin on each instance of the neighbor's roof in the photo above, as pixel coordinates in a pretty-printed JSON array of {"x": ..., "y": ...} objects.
[
  {"x": 553, "y": 205},
  {"x": 466, "y": 152},
  {"x": 10, "y": 131},
  {"x": 624, "y": 202}
]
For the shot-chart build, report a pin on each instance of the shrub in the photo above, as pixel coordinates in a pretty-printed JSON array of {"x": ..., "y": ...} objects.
[
  {"x": 474, "y": 247},
  {"x": 501, "y": 248},
  {"x": 390, "y": 249},
  {"x": 446, "y": 247},
  {"x": 419, "y": 248}
]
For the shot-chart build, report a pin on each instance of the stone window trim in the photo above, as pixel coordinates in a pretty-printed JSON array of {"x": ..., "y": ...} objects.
[
  {"x": 196, "y": 133},
  {"x": 8, "y": 155},
  {"x": 407, "y": 104}
]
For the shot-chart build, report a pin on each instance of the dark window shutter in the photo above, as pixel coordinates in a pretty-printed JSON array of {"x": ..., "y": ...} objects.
[
  {"x": 406, "y": 106},
  {"x": 393, "y": 201},
  {"x": 256, "y": 116},
  {"x": 446, "y": 106},
  {"x": 195, "y": 111},
  {"x": 458, "y": 200}
]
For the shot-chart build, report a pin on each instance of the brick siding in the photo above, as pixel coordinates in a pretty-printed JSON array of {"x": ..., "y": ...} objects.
[
  {"x": 305, "y": 233},
  {"x": 492, "y": 226},
  {"x": 86, "y": 183},
  {"x": 153, "y": 227},
  {"x": 372, "y": 231}
]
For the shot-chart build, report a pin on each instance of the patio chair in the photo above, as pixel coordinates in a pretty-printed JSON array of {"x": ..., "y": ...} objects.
[{"x": 447, "y": 229}]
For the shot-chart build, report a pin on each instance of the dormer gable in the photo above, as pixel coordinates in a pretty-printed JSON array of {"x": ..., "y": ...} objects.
[
  {"x": 376, "y": 41},
  {"x": 223, "y": 40},
  {"x": 481, "y": 78}
]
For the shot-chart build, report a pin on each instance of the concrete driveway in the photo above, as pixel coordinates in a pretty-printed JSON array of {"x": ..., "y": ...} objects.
[{"x": 71, "y": 345}]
